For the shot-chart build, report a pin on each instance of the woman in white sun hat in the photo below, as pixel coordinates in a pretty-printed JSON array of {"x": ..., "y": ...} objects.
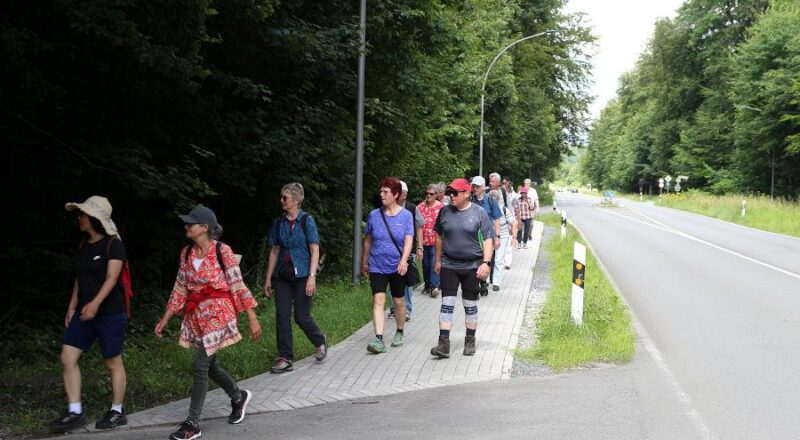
[{"x": 96, "y": 311}]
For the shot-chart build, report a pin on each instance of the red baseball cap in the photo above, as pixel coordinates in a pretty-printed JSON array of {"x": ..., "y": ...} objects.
[{"x": 460, "y": 185}]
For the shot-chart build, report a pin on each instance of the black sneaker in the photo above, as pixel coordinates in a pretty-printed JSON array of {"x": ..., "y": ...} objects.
[
  {"x": 239, "y": 409},
  {"x": 112, "y": 419},
  {"x": 496, "y": 288},
  {"x": 187, "y": 431},
  {"x": 68, "y": 422}
]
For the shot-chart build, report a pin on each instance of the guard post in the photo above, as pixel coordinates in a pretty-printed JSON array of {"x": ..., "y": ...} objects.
[
  {"x": 563, "y": 224},
  {"x": 578, "y": 282}
]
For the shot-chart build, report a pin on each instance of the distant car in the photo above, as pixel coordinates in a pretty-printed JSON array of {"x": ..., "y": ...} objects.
[
  {"x": 573, "y": 190},
  {"x": 560, "y": 190}
]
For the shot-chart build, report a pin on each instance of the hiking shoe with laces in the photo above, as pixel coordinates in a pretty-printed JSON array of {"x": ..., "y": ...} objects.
[
  {"x": 469, "y": 345},
  {"x": 239, "y": 408},
  {"x": 376, "y": 346},
  {"x": 322, "y": 350},
  {"x": 398, "y": 340},
  {"x": 427, "y": 291},
  {"x": 408, "y": 317},
  {"x": 187, "y": 431},
  {"x": 496, "y": 288},
  {"x": 68, "y": 422},
  {"x": 282, "y": 365},
  {"x": 434, "y": 292},
  {"x": 442, "y": 349},
  {"x": 112, "y": 419}
]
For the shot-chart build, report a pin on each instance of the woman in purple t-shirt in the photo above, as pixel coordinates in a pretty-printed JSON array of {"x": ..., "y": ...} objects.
[{"x": 390, "y": 230}]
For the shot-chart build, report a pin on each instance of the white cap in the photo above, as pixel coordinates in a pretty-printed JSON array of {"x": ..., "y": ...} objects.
[
  {"x": 479, "y": 181},
  {"x": 404, "y": 186}
]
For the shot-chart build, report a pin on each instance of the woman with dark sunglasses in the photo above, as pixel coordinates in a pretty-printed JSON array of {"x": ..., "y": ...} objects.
[
  {"x": 292, "y": 266},
  {"x": 429, "y": 208}
]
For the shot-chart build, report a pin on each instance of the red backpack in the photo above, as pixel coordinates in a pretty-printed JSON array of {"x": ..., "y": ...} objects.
[{"x": 124, "y": 279}]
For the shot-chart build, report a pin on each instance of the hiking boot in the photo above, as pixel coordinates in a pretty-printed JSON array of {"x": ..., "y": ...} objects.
[
  {"x": 282, "y": 365},
  {"x": 322, "y": 350},
  {"x": 442, "y": 349},
  {"x": 112, "y": 419},
  {"x": 469, "y": 345},
  {"x": 434, "y": 292},
  {"x": 408, "y": 317},
  {"x": 68, "y": 422},
  {"x": 376, "y": 346},
  {"x": 496, "y": 288},
  {"x": 398, "y": 340},
  {"x": 239, "y": 408},
  {"x": 187, "y": 431},
  {"x": 391, "y": 314},
  {"x": 427, "y": 291}
]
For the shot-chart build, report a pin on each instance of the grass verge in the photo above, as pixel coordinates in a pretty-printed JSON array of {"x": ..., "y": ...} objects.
[
  {"x": 606, "y": 334},
  {"x": 159, "y": 371},
  {"x": 779, "y": 215}
]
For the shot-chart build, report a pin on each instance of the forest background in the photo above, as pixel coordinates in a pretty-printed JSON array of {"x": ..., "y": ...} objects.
[
  {"x": 715, "y": 97},
  {"x": 161, "y": 105}
]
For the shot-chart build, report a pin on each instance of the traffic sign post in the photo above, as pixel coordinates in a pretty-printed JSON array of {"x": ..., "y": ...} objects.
[
  {"x": 578, "y": 282},
  {"x": 563, "y": 224},
  {"x": 744, "y": 207},
  {"x": 660, "y": 185}
]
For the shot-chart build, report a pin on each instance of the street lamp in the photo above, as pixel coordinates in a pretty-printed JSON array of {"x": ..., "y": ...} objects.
[
  {"x": 359, "y": 196},
  {"x": 771, "y": 151},
  {"x": 483, "y": 90}
]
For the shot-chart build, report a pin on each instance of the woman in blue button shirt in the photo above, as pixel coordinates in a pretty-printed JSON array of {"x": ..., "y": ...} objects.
[{"x": 292, "y": 268}]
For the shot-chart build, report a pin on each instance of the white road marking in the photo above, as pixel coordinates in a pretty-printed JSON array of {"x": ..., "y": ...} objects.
[
  {"x": 700, "y": 240},
  {"x": 694, "y": 415}
]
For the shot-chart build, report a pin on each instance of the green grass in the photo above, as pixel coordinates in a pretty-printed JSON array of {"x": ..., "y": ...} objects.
[
  {"x": 159, "y": 371},
  {"x": 606, "y": 334},
  {"x": 779, "y": 215}
]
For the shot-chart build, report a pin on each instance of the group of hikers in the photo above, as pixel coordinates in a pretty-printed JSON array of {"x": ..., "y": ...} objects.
[{"x": 464, "y": 233}]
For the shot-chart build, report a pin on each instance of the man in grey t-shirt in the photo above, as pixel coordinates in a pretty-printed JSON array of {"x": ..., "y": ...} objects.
[{"x": 464, "y": 246}]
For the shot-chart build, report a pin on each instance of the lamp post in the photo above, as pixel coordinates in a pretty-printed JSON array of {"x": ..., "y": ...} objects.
[
  {"x": 483, "y": 90},
  {"x": 359, "y": 196},
  {"x": 771, "y": 152}
]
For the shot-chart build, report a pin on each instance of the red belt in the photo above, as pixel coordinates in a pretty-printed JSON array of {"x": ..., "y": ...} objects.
[{"x": 195, "y": 297}]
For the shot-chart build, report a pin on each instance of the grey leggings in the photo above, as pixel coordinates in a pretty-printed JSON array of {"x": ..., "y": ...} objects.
[{"x": 205, "y": 367}]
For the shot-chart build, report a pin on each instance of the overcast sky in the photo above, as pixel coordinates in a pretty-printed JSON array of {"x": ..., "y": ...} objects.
[{"x": 623, "y": 28}]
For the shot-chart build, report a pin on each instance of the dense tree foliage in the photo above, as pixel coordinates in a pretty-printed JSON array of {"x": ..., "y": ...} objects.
[
  {"x": 161, "y": 105},
  {"x": 715, "y": 97}
]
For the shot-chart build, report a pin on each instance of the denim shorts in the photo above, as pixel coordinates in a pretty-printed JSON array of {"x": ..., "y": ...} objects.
[{"x": 109, "y": 330}]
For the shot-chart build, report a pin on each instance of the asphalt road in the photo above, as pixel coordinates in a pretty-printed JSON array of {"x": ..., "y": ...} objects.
[
  {"x": 719, "y": 305},
  {"x": 717, "y": 309}
]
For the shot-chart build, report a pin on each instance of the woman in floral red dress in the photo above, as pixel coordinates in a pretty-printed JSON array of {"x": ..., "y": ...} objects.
[{"x": 210, "y": 298}]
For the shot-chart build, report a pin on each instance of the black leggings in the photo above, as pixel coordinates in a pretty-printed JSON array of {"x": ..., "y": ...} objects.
[{"x": 467, "y": 278}]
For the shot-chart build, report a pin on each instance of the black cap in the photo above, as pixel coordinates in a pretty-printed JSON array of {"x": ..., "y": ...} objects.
[{"x": 201, "y": 215}]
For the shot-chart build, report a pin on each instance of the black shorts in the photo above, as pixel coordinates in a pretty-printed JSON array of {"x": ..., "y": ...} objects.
[
  {"x": 379, "y": 281},
  {"x": 450, "y": 279}
]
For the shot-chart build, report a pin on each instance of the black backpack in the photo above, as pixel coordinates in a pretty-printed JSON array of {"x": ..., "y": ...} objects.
[
  {"x": 304, "y": 226},
  {"x": 187, "y": 250}
]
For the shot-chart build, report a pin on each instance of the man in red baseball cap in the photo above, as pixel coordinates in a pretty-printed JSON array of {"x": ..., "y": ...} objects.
[{"x": 464, "y": 237}]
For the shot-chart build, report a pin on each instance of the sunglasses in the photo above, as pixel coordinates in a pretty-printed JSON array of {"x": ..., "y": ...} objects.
[{"x": 454, "y": 192}]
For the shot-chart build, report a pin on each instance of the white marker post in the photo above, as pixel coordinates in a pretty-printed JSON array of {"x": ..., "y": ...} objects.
[
  {"x": 578, "y": 282},
  {"x": 555, "y": 206},
  {"x": 744, "y": 207},
  {"x": 563, "y": 224}
]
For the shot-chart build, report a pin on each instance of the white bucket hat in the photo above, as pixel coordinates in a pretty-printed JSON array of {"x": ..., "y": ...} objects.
[{"x": 99, "y": 208}]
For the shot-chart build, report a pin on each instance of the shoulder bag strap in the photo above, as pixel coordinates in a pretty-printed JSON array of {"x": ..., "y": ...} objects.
[{"x": 389, "y": 231}]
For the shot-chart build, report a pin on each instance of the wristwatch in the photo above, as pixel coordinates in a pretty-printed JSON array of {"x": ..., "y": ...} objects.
[{"x": 489, "y": 263}]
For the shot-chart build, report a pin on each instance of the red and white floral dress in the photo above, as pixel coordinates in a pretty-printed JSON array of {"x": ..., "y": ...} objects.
[{"x": 210, "y": 299}]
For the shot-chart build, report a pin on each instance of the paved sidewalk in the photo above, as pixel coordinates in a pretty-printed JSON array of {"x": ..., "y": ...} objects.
[{"x": 349, "y": 372}]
